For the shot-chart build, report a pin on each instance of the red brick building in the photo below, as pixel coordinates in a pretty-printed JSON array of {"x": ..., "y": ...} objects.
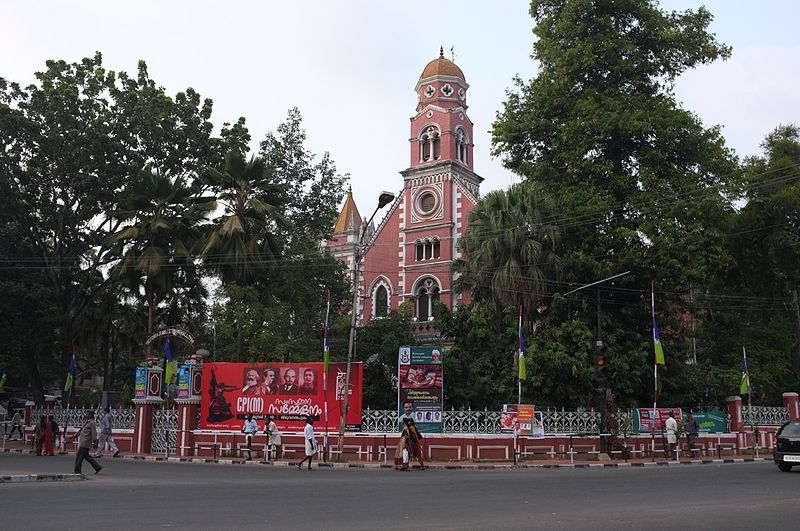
[{"x": 407, "y": 257}]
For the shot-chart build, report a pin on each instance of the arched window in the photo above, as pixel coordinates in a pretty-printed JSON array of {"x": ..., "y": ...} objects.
[
  {"x": 427, "y": 293},
  {"x": 429, "y": 143},
  {"x": 461, "y": 146},
  {"x": 381, "y": 301}
]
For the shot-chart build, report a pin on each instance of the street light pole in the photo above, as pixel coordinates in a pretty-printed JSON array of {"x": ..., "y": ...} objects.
[{"x": 383, "y": 199}]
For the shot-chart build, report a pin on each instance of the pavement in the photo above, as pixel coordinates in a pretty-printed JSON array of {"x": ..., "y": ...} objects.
[{"x": 17, "y": 447}]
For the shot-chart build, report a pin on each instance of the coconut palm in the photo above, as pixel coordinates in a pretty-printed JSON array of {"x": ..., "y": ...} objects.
[
  {"x": 508, "y": 251},
  {"x": 242, "y": 240}
]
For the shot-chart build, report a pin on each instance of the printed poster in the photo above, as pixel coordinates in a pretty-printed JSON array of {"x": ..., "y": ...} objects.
[
  {"x": 140, "y": 383},
  {"x": 648, "y": 420},
  {"x": 420, "y": 389}
]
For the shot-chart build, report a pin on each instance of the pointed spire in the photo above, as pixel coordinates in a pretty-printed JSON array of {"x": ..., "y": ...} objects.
[{"x": 441, "y": 51}]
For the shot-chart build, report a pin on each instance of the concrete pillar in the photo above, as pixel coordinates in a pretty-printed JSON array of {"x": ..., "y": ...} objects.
[
  {"x": 791, "y": 401},
  {"x": 143, "y": 427},
  {"x": 30, "y": 407},
  {"x": 733, "y": 406},
  {"x": 187, "y": 423}
]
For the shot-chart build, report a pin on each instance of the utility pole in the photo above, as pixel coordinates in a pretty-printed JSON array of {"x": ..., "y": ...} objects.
[
  {"x": 383, "y": 199},
  {"x": 601, "y": 366}
]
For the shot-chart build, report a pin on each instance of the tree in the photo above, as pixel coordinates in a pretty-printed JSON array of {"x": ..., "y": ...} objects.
[
  {"x": 242, "y": 245},
  {"x": 314, "y": 189},
  {"x": 642, "y": 185},
  {"x": 162, "y": 219},
  {"x": 509, "y": 248}
]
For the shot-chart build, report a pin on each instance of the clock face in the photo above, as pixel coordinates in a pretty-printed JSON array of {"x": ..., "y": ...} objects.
[{"x": 430, "y": 91}]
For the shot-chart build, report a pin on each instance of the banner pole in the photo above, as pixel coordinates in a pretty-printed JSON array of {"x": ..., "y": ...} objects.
[
  {"x": 655, "y": 368},
  {"x": 326, "y": 354}
]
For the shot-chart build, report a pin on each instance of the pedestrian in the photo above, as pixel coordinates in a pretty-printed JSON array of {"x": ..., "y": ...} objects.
[
  {"x": 249, "y": 429},
  {"x": 311, "y": 443},
  {"x": 49, "y": 437},
  {"x": 401, "y": 454},
  {"x": 39, "y": 434},
  {"x": 692, "y": 431},
  {"x": 106, "y": 434},
  {"x": 16, "y": 425},
  {"x": 54, "y": 429},
  {"x": 415, "y": 443},
  {"x": 273, "y": 437},
  {"x": 671, "y": 425},
  {"x": 86, "y": 436}
]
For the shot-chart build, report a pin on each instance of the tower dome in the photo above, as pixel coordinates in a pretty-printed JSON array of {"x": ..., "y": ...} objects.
[{"x": 442, "y": 67}]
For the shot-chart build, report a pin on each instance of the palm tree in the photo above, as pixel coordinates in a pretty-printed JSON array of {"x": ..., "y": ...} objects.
[
  {"x": 509, "y": 248},
  {"x": 162, "y": 218},
  {"x": 242, "y": 241}
]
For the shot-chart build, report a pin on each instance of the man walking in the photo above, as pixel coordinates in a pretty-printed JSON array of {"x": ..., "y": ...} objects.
[
  {"x": 86, "y": 436},
  {"x": 105, "y": 434},
  {"x": 16, "y": 425},
  {"x": 311, "y": 443}
]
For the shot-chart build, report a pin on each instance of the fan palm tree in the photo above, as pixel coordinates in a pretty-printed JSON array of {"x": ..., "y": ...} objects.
[
  {"x": 242, "y": 241},
  {"x": 162, "y": 218},
  {"x": 509, "y": 248}
]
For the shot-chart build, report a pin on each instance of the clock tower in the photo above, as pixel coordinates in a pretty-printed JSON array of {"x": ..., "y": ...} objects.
[{"x": 408, "y": 257}]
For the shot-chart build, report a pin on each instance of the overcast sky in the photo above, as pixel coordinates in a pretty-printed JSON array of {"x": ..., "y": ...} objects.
[{"x": 351, "y": 66}]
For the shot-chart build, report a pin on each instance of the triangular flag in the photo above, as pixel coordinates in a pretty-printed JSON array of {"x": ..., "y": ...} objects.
[{"x": 522, "y": 373}]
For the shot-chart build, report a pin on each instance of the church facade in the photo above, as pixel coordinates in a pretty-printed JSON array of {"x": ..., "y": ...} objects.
[{"x": 407, "y": 257}]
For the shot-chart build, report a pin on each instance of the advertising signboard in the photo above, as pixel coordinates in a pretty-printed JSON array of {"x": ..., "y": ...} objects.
[
  {"x": 420, "y": 387},
  {"x": 140, "y": 383},
  {"x": 288, "y": 392},
  {"x": 184, "y": 381},
  {"x": 648, "y": 420},
  {"x": 522, "y": 419}
]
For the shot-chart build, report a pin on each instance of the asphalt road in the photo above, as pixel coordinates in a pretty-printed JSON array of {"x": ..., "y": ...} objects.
[{"x": 138, "y": 495}]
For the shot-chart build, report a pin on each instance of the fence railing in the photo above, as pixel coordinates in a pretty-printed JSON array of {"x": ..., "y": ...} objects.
[{"x": 454, "y": 421}]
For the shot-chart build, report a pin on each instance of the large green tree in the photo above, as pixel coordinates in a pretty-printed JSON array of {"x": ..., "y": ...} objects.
[{"x": 643, "y": 185}]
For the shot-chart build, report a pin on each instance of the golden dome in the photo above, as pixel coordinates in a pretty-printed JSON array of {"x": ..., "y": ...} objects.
[{"x": 442, "y": 67}]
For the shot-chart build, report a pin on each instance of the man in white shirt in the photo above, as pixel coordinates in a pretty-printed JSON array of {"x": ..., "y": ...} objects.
[
  {"x": 250, "y": 428},
  {"x": 273, "y": 437},
  {"x": 105, "y": 434},
  {"x": 311, "y": 443},
  {"x": 671, "y": 426}
]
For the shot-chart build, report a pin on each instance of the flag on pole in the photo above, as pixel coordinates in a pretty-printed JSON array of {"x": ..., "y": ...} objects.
[
  {"x": 659, "y": 349},
  {"x": 744, "y": 384},
  {"x": 170, "y": 368},
  {"x": 70, "y": 374},
  {"x": 522, "y": 374}
]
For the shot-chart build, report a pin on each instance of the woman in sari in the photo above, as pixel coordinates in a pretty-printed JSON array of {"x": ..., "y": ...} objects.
[
  {"x": 48, "y": 437},
  {"x": 415, "y": 443},
  {"x": 401, "y": 452}
]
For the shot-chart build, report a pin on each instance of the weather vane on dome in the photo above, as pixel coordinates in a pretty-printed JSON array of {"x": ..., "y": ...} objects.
[{"x": 453, "y": 53}]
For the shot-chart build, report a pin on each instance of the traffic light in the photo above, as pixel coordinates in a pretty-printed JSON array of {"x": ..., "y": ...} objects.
[{"x": 601, "y": 365}]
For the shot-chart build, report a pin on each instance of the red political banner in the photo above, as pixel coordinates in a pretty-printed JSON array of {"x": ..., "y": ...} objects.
[{"x": 287, "y": 392}]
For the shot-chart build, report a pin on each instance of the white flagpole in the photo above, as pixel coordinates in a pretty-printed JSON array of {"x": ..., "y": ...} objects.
[{"x": 655, "y": 363}]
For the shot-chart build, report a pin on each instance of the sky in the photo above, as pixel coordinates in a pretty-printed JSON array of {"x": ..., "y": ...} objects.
[{"x": 350, "y": 66}]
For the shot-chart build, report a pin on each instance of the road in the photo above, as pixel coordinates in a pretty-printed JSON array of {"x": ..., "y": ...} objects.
[{"x": 136, "y": 495}]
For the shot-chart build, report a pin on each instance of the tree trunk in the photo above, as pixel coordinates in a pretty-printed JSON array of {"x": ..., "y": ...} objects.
[{"x": 34, "y": 378}]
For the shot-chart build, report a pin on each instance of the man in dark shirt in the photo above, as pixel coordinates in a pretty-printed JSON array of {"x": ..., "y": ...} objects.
[{"x": 86, "y": 436}]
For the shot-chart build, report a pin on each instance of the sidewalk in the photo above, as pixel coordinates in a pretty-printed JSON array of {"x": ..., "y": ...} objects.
[{"x": 19, "y": 447}]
